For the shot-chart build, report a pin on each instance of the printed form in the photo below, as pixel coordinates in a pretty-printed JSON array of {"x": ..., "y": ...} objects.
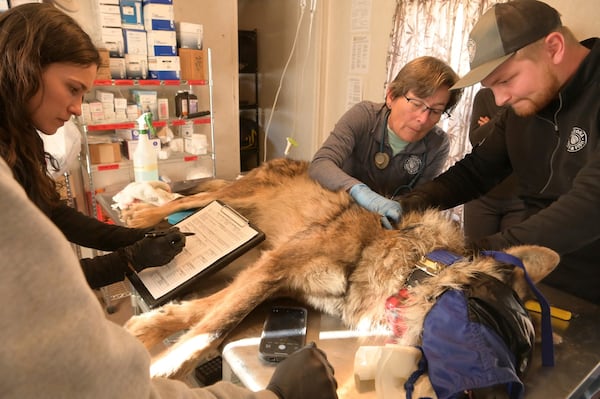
[{"x": 218, "y": 230}]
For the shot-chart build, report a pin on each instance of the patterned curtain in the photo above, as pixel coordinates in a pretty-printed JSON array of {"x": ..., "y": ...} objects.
[{"x": 439, "y": 28}]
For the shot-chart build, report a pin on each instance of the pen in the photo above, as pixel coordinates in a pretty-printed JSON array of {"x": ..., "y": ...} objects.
[{"x": 155, "y": 234}]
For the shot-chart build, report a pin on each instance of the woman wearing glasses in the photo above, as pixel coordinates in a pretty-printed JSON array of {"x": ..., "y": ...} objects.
[{"x": 377, "y": 151}]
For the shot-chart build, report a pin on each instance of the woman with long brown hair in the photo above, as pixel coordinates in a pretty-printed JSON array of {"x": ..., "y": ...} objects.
[{"x": 46, "y": 67}]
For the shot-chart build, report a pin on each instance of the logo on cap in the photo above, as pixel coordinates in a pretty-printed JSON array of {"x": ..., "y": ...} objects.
[{"x": 471, "y": 48}]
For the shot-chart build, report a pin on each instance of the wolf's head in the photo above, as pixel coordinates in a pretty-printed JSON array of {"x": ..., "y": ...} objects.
[
  {"x": 473, "y": 309},
  {"x": 538, "y": 261}
]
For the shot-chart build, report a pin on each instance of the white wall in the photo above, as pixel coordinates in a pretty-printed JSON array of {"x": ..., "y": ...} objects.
[
  {"x": 581, "y": 16},
  {"x": 295, "y": 112},
  {"x": 337, "y": 55},
  {"x": 220, "y": 34}
]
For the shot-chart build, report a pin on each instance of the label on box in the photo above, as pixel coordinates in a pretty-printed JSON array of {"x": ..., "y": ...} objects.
[
  {"x": 105, "y": 96},
  {"x": 146, "y": 101},
  {"x": 162, "y": 43},
  {"x": 158, "y": 17},
  {"x": 190, "y": 35},
  {"x": 110, "y": 20},
  {"x": 136, "y": 66},
  {"x": 113, "y": 40},
  {"x": 117, "y": 68},
  {"x": 135, "y": 41},
  {"x": 127, "y": 134},
  {"x": 164, "y": 68},
  {"x": 130, "y": 146},
  {"x": 157, "y": 1},
  {"x": 131, "y": 14},
  {"x": 163, "y": 108}
]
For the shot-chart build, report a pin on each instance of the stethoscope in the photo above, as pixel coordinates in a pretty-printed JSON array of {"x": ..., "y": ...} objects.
[{"x": 382, "y": 160}]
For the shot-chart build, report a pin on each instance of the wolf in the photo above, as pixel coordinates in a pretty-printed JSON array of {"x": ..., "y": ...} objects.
[{"x": 322, "y": 249}]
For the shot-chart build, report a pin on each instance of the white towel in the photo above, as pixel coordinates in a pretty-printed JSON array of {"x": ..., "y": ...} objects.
[{"x": 154, "y": 192}]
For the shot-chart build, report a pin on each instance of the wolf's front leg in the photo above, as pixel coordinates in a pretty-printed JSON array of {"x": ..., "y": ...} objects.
[
  {"x": 231, "y": 305},
  {"x": 140, "y": 215},
  {"x": 183, "y": 357},
  {"x": 155, "y": 326}
]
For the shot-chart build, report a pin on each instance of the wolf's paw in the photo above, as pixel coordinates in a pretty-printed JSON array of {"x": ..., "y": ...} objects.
[
  {"x": 165, "y": 368},
  {"x": 557, "y": 339},
  {"x": 147, "y": 329},
  {"x": 142, "y": 215},
  {"x": 180, "y": 359}
]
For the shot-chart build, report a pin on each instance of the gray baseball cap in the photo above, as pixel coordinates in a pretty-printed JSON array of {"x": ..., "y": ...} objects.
[{"x": 502, "y": 30}]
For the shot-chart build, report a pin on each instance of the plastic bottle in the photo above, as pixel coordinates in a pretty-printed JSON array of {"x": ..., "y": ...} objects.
[{"x": 145, "y": 157}]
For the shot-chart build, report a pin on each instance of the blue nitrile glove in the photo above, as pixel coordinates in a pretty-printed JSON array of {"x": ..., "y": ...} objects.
[{"x": 368, "y": 199}]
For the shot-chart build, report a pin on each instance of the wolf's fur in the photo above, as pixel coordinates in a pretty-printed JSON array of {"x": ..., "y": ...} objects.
[{"x": 321, "y": 248}]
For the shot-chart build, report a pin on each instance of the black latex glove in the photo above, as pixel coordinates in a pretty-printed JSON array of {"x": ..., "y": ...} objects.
[
  {"x": 154, "y": 251},
  {"x": 306, "y": 373},
  {"x": 412, "y": 202}
]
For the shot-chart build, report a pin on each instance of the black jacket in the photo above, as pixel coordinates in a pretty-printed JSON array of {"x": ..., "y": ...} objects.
[
  {"x": 556, "y": 156},
  {"x": 92, "y": 233}
]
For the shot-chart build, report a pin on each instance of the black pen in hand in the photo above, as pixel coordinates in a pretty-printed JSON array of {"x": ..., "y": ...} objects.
[{"x": 154, "y": 234}]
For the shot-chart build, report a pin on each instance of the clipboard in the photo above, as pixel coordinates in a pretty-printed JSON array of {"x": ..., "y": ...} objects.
[{"x": 221, "y": 235}]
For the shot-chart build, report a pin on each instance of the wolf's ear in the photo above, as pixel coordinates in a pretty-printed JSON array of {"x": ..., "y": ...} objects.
[{"x": 538, "y": 261}]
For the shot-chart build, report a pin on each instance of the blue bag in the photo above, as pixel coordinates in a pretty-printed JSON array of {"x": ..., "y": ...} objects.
[{"x": 480, "y": 339}]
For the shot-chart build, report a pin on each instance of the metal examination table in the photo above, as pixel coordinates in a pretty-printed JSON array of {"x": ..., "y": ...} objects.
[{"x": 574, "y": 358}]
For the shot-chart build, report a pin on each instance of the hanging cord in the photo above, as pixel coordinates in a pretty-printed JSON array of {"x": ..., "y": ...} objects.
[
  {"x": 291, "y": 141},
  {"x": 302, "y": 8}
]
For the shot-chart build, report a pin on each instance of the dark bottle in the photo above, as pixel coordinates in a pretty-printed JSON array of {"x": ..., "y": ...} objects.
[{"x": 182, "y": 104}]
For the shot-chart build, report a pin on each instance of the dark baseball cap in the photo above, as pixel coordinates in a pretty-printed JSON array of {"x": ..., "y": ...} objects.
[{"x": 502, "y": 30}]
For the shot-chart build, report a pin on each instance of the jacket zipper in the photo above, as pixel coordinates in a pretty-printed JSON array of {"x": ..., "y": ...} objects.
[{"x": 555, "y": 125}]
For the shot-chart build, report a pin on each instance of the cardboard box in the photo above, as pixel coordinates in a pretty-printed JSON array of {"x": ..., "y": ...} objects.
[
  {"x": 113, "y": 40},
  {"x": 162, "y": 43},
  {"x": 117, "y": 68},
  {"x": 189, "y": 35},
  {"x": 110, "y": 16},
  {"x": 104, "y": 153},
  {"x": 135, "y": 41},
  {"x": 136, "y": 66},
  {"x": 104, "y": 68},
  {"x": 146, "y": 100},
  {"x": 193, "y": 64},
  {"x": 164, "y": 68},
  {"x": 131, "y": 14},
  {"x": 158, "y": 17}
]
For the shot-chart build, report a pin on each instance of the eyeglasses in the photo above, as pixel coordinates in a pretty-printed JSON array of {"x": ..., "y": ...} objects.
[{"x": 434, "y": 113}]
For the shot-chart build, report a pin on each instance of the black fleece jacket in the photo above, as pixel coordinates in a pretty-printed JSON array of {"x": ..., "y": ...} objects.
[{"x": 92, "y": 233}]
